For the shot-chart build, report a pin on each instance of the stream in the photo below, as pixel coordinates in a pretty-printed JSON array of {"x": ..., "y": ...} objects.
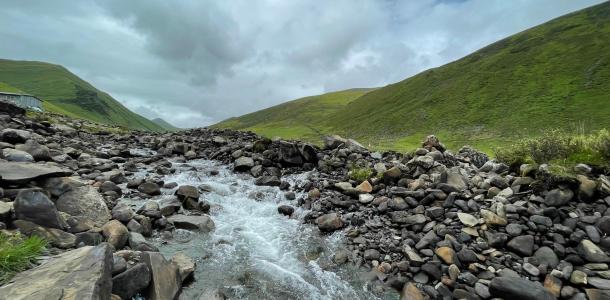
[{"x": 255, "y": 252}]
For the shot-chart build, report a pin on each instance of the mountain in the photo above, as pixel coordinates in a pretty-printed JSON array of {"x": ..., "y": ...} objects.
[
  {"x": 65, "y": 93},
  {"x": 9, "y": 89},
  {"x": 554, "y": 75},
  {"x": 296, "y": 119},
  {"x": 165, "y": 125}
]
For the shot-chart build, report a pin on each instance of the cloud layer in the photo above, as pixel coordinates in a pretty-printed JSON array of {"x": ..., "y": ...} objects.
[{"x": 195, "y": 63}]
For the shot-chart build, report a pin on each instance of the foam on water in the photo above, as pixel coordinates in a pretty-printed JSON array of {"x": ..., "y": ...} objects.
[{"x": 254, "y": 252}]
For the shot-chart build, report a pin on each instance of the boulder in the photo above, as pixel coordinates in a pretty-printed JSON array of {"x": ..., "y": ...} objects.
[
  {"x": 187, "y": 191},
  {"x": 149, "y": 188},
  {"x": 329, "y": 222},
  {"x": 516, "y": 288},
  {"x": 185, "y": 264},
  {"x": 139, "y": 243},
  {"x": 115, "y": 233},
  {"x": 83, "y": 273},
  {"x": 35, "y": 206},
  {"x": 37, "y": 151},
  {"x": 558, "y": 197},
  {"x": 15, "y": 136},
  {"x": 19, "y": 173},
  {"x": 17, "y": 155},
  {"x": 203, "y": 223},
  {"x": 309, "y": 153},
  {"x": 289, "y": 154},
  {"x": 267, "y": 180},
  {"x": 85, "y": 202},
  {"x": 129, "y": 283},
  {"x": 243, "y": 164},
  {"x": 54, "y": 236},
  {"x": 122, "y": 212},
  {"x": 286, "y": 210},
  {"x": 165, "y": 280}
]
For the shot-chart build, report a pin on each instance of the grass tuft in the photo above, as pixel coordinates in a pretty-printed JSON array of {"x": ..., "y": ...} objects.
[
  {"x": 18, "y": 254},
  {"x": 360, "y": 173}
]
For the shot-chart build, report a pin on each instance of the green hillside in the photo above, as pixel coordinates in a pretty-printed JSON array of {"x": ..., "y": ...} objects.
[
  {"x": 165, "y": 125},
  {"x": 9, "y": 89},
  {"x": 65, "y": 93},
  {"x": 296, "y": 119},
  {"x": 555, "y": 75}
]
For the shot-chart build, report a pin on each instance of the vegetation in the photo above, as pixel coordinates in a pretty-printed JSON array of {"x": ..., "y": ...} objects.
[
  {"x": 65, "y": 93},
  {"x": 165, "y": 125},
  {"x": 360, "y": 173},
  {"x": 9, "y": 89},
  {"x": 553, "y": 75},
  {"x": 18, "y": 254},
  {"x": 297, "y": 119},
  {"x": 561, "y": 149}
]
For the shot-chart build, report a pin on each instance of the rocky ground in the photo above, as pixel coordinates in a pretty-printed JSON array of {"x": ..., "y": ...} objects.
[{"x": 432, "y": 224}]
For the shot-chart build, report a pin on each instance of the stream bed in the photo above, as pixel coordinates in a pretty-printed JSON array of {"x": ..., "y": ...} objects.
[{"x": 255, "y": 252}]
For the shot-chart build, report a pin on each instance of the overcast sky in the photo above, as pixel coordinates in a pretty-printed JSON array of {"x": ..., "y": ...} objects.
[{"x": 194, "y": 63}]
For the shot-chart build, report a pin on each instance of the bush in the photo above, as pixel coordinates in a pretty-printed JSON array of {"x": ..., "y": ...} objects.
[
  {"x": 360, "y": 173},
  {"x": 18, "y": 254},
  {"x": 559, "y": 147}
]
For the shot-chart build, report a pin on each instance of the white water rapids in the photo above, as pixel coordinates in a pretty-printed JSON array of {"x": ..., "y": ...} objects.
[{"x": 255, "y": 252}]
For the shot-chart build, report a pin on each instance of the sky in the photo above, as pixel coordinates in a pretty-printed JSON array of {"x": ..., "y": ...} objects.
[{"x": 194, "y": 63}]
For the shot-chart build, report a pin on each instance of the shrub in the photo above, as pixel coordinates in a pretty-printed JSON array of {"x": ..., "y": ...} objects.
[
  {"x": 360, "y": 173},
  {"x": 18, "y": 254}
]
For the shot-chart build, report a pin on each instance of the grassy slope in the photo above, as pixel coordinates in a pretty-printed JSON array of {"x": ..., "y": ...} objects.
[
  {"x": 65, "y": 93},
  {"x": 552, "y": 75},
  {"x": 297, "y": 119},
  {"x": 165, "y": 125},
  {"x": 9, "y": 89}
]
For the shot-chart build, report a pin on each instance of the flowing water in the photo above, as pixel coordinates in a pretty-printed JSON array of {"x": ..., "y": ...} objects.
[{"x": 254, "y": 252}]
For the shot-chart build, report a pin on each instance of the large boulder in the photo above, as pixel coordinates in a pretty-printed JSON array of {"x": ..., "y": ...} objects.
[
  {"x": 129, "y": 283},
  {"x": 17, "y": 155},
  {"x": 115, "y": 233},
  {"x": 84, "y": 202},
  {"x": 55, "y": 237},
  {"x": 203, "y": 223},
  {"x": 149, "y": 188},
  {"x": 15, "y": 136},
  {"x": 35, "y": 206},
  {"x": 290, "y": 154},
  {"x": 166, "y": 281},
  {"x": 243, "y": 164},
  {"x": 39, "y": 152},
  {"x": 329, "y": 222},
  {"x": 187, "y": 191},
  {"x": 335, "y": 141},
  {"x": 19, "y": 173},
  {"x": 83, "y": 273}
]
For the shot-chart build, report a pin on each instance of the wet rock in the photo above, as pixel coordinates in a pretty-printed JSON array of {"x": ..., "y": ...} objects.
[
  {"x": 514, "y": 288},
  {"x": 329, "y": 222},
  {"x": 187, "y": 191},
  {"x": 129, "y": 283},
  {"x": 203, "y": 223},
  {"x": 35, "y": 206},
  {"x": 266, "y": 180},
  {"x": 165, "y": 280},
  {"x": 116, "y": 234},
  {"x": 84, "y": 202},
  {"x": 169, "y": 206},
  {"x": 83, "y": 273},
  {"x": 149, "y": 188},
  {"x": 185, "y": 264},
  {"x": 243, "y": 164},
  {"x": 286, "y": 210}
]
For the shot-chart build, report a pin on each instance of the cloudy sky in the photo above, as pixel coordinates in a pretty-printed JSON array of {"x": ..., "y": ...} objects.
[{"x": 195, "y": 63}]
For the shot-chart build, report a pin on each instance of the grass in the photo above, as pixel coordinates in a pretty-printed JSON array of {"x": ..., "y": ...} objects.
[
  {"x": 18, "y": 254},
  {"x": 9, "y": 89},
  {"x": 360, "y": 173},
  {"x": 65, "y": 93},
  {"x": 553, "y": 75},
  {"x": 561, "y": 149}
]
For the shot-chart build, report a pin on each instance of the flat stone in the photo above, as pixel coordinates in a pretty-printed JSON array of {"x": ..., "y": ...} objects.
[
  {"x": 22, "y": 172},
  {"x": 468, "y": 219},
  {"x": 553, "y": 285},
  {"x": 203, "y": 223},
  {"x": 591, "y": 252},
  {"x": 595, "y": 294},
  {"x": 166, "y": 282},
  {"x": 54, "y": 236},
  {"x": 599, "y": 283},
  {"x": 515, "y": 288},
  {"x": 83, "y": 273}
]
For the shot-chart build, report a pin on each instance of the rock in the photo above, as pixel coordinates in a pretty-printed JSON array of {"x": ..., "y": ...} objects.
[
  {"x": 289, "y": 154},
  {"x": 392, "y": 174},
  {"x": 122, "y": 212},
  {"x": 109, "y": 186},
  {"x": 578, "y": 277},
  {"x": 243, "y": 164},
  {"x": 286, "y": 210},
  {"x": 203, "y": 223},
  {"x": 447, "y": 255},
  {"x": 468, "y": 219},
  {"x": 591, "y": 252},
  {"x": 558, "y": 197},
  {"x": 329, "y": 222},
  {"x": 522, "y": 245},
  {"x": 17, "y": 155},
  {"x": 83, "y": 273},
  {"x": 515, "y": 288},
  {"x": 139, "y": 243},
  {"x": 14, "y": 136},
  {"x": 129, "y": 283},
  {"x": 150, "y": 209},
  {"x": 365, "y": 198},
  {"x": 546, "y": 255},
  {"x": 187, "y": 191},
  {"x": 266, "y": 180},
  {"x": 85, "y": 202},
  {"x": 411, "y": 292},
  {"x": 599, "y": 283},
  {"x": 453, "y": 178},
  {"x": 371, "y": 254},
  {"x": 553, "y": 285},
  {"x": 492, "y": 218},
  {"x": 587, "y": 188},
  {"x": 54, "y": 236},
  {"x": 407, "y": 218},
  {"x": 115, "y": 233},
  {"x": 149, "y": 188},
  {"x": 6, "y": 209},
  {"x": 35, "y": 206},
  {"x": 37, "y": 151},
  {"x": 185, "y": 264},
  {"x": 165, "y": 280},
  {"x": 88, "y": 239},
  {"x": 309, "y": 153},
  {"x": 365, "y": 187},
  {"x": 595, "y": 294},
  {"x": 19, "y": 173},
  {"x": 432, "y": 143}
]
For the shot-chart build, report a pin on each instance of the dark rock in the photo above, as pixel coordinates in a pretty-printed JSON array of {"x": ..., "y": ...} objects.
[
  {"x": 19, "y": 173},
  {"x": 129, "y": 283},
  {"x": 286, "y": 210},
  {"x": 203, "y": 223},
  {"x": 329, "y": 222},
  {"x": 289, "y": 154},
  {"x": 523, "y": 245},
  {"x": 84, "y": 202},
  {"x": 149, "y": 188},
  {"x": 513, "y": 288},
  {"x": 558, "y": 197},
  {"x": 35, "y": 206}
]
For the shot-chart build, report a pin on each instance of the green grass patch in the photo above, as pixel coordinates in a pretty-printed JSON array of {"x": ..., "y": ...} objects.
[
  {"x": 17, "y": 254},
  {"x": 360, "y": 174}
]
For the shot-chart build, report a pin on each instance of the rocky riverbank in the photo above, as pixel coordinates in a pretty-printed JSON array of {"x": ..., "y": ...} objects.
[{"x": 431, "y": 224}]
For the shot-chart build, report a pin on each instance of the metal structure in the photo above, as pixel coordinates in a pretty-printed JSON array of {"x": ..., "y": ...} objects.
[{"x": 22, "y": 100}]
